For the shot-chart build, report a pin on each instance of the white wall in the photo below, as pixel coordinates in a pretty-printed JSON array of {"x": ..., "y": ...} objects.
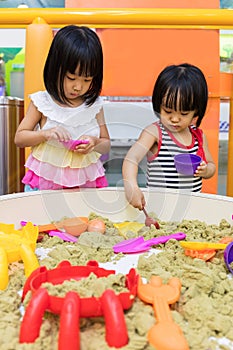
[{"x": 12, "y": 37}]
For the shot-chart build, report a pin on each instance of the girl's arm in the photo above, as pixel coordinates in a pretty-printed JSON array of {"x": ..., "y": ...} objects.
[
  {"x": 103, "y": 143},
  {"x": 100, "y": 144},
  {"x": 142, "y": 146},
  {"x": 27, "y": 136},
  {"x": 206, "y": 170}
]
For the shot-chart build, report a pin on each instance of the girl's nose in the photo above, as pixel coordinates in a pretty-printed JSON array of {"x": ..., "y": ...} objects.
[
  {"x": 174, "y": 117},
  {"x": 78, "y": 87}
]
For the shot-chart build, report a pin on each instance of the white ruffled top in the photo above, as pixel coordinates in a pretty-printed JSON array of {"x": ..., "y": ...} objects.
[
  {"x": 77, "y": 120},
  {"x": 50, "y": 164}
]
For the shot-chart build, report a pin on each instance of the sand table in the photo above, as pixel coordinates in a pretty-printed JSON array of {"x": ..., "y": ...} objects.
[{"x": 204, "y": 311}]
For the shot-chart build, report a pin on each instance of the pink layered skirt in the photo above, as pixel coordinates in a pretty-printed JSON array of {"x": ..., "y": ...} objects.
[{"x": 51, "y": 170}]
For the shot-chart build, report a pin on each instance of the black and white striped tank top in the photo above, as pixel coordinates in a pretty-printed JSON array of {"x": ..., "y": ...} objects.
[{"x": 161, "y": 170}]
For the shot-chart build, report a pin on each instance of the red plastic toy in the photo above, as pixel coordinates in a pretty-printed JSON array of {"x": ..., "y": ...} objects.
[{"x": 72, "y": 307}]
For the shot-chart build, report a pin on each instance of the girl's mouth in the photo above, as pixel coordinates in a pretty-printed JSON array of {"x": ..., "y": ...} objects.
[{"x": 175, "y": 126}]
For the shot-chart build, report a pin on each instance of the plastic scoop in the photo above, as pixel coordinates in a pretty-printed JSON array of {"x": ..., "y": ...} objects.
[
  {"x": 42, "y": 228},
  {"x": 203, "y": 245},
  {"x": 74, "y": 226},
  {"x": 139, "y": 244},
  {"x": 165, "y": 334},
  {"x": 63, "y": 235},
  {"x": 206, "y": 254},
  {"x": 150, "y": 221}
]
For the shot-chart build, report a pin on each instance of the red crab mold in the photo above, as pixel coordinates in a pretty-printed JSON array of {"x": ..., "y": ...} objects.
[{"x": 72, "y": 307}]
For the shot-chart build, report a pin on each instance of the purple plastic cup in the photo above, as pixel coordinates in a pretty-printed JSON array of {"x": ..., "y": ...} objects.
[
  {"x": 186, "y": 163},
  {"x": 228, "y": 256}
]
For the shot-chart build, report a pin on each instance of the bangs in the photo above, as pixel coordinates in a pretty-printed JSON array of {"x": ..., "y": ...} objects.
[
  {"x": 84, "y": 63},
  {"x": 87, "y": 68},
  {"x": 180, "y": 98}
]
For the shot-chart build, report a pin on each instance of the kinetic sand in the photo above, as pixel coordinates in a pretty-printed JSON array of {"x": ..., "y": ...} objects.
[{"x": 204, "y": 311}]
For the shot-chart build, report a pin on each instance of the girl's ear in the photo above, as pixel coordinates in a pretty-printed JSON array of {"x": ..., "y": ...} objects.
[{"x": 194, "y": 120}]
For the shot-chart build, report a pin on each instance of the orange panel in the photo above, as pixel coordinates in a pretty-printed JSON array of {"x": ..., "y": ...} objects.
[{"x": 134, "y": 57}]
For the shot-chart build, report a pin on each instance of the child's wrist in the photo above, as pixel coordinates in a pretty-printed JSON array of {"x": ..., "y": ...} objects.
[{"x": 44, "y": 135}]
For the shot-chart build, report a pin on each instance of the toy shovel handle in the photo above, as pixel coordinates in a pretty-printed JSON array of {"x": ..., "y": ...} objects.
[
  {"x": 163, "y": 239},
  {"x": 43, "y": 228},
  {"x": 165, "y": 329}
]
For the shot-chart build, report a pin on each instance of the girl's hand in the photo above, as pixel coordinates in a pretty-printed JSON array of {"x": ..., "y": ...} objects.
[
  {"x": 85, "y": 148},
  {"x": 134, "y": 196},
  {"x": 201, "y": 170},
  {"x": 58, "y": 133}
]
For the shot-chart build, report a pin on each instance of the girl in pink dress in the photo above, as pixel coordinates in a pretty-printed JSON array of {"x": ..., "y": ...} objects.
[{"x": 64, "y": 125}]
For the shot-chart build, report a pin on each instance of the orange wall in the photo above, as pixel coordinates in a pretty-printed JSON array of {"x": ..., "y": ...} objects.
[{"x": 134, "y": 57}]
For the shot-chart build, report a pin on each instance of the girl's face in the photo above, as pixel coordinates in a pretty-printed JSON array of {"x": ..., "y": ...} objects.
[
  {"x": 76, "y": 86},
  {"x": 176, "y": 121}
]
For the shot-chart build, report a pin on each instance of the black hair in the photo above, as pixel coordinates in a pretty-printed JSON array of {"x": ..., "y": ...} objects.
[
  {"x": 181, "y": 87},
  {"x": 74, "y": 46}
]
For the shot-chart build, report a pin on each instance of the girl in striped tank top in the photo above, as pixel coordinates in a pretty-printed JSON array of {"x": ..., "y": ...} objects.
[{"x": 179, "y": 101}]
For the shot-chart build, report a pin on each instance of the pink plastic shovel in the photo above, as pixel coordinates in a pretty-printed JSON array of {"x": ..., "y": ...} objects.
[{"x": 139, "y": 244}]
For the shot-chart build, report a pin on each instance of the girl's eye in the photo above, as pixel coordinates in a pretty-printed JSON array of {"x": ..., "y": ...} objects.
[
  {"x": 70, "y": 78},
  {"x": 167, "y": 111}
]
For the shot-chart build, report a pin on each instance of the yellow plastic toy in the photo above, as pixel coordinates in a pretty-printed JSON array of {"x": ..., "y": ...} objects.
[
  {"x": 17, "y": 245},
  {"x": 202, "y": 245},
  {"x": 124, "y": 227}
]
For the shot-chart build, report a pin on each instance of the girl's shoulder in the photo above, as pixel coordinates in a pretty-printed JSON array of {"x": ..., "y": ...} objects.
[
  {"x": 152, "y": 131},
  {"x": 197, "y": 132},
  {"x": 154, "y": 127},
  {"x": 41, "y": 99}
]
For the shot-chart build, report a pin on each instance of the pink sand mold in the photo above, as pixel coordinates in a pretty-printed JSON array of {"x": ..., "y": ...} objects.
[{"x": 71, "y": 144}]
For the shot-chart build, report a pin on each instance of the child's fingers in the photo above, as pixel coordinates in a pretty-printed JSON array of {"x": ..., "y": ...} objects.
[
  {"x": 59, "y": 133},
  {"x": 201, "y": 169}
]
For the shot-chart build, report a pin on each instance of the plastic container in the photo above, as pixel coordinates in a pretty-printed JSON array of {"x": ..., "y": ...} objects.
[
  {"x": 228, "y": 256},
  {"x": 186, "y": 163},
  {"x": 42, "y": 207}
]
